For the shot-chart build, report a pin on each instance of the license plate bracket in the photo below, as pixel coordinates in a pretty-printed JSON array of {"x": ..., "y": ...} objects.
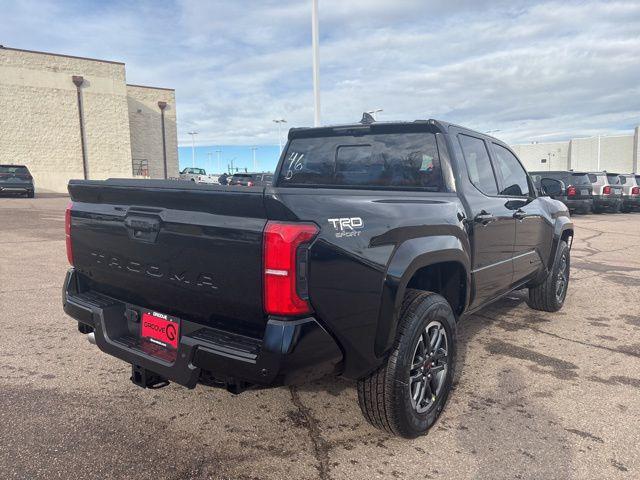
[{"x": 160, "y": 329}]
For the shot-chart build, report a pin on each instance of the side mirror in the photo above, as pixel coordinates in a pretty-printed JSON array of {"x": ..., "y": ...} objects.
[{"x": 550, "y": 187}]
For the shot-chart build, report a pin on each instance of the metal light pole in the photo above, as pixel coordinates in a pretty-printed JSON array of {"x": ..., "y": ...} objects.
[
  {"x": 255, "y": 167},
  {"x": 598, "y": 167},
  {"x": 374, "y": 112},
  {"x": 193, "y": 147},
  {"x": 280, "y": 122},
  {"x": 218, "y": 151},
  {"x": 316, "y": 62}
]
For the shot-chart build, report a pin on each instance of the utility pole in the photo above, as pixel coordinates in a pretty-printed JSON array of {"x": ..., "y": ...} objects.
[
  {"x": 193, "y": 134},
  {"x": 374, "y": 112},
  {"x": 218, "y": 151},
  {"x": 598, "y": 163},
  {"x": 253, "y": 150},
  {"x": 550, "y": 155},
  {"x": 315, "y": 34},
  {"x": 280, "y": 122}
]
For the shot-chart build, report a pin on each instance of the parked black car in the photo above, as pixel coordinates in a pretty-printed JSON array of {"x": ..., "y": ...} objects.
[
  {"x": 251, "y": 179},
  {"x": 16, "y": 180},
  {"x": 576, "y": 189},
  {"x": 359, "y": 260}
]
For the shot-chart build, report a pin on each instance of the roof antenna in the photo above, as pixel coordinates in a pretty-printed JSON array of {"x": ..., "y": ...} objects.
[{"x": 367, "y": 119}]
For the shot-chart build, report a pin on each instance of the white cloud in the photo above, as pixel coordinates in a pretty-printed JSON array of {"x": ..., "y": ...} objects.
[{"x": 545, "y": 70}]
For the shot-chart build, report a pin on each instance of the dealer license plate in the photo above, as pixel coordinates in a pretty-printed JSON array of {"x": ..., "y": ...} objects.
[{"x": 160, "y": 329}]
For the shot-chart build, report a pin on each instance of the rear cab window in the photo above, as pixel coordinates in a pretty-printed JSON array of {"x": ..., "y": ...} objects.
[{"x": 402, "y": 161}]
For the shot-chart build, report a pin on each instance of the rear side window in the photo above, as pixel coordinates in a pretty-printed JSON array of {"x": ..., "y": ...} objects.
[
  {"x": 638, "y": 180},
  {"x": 390, "y": 161},
  {"x": 479, "y": 166},
  {"x": 514, "y": 177}
]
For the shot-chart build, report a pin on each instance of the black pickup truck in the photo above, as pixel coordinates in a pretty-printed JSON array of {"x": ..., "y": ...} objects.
[{"x": 372, "y": 242}]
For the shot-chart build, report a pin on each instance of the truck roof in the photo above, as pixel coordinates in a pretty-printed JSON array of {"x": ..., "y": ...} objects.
[{"x": 430, "y": 124}]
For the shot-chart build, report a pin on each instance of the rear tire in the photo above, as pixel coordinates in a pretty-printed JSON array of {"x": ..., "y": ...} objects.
[
  {"x": 406, "y": 395},
  {"x": 549, "y": 296},
  {"x": 31, "y": 195}
]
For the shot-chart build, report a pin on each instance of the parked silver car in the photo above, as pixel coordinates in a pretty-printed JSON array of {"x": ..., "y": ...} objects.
[
  {"x": 607, "y": 191},
  {"x": 197, "y": 175},
  {"x": 630, "y": 191}
]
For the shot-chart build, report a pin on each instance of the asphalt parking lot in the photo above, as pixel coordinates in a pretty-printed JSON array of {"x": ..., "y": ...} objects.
[{"x": 538, "y": 395}]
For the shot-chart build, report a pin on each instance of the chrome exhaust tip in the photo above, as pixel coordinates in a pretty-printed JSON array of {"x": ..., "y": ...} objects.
[{"x": 92, "y": 338}]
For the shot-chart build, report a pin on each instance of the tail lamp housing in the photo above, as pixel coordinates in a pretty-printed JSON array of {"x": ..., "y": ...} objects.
[
  {"x": 571, "y": 191},
  {"x": 606, "y": 190},
  {"x": 67, "y": 232},
  {"x": 635, "y": 191},
  {"x": 285, "y": 267}
]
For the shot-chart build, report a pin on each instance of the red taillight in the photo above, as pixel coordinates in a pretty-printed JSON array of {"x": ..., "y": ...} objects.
[
  {"x": 249, "y": 184},
  {"x": 571, "y": 191},
  {"x": 606, "y": 190},
  {"x": 285, "y": 267},
  {"x": 635, "y": 191},
  {"x": 67, "y": 232}
]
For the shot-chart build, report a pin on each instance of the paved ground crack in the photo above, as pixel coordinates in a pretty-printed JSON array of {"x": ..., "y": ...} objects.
[{"x": 320, "y": 445}]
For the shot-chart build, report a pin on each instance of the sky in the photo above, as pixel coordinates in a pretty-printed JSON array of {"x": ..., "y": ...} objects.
[{"x": 526, "y": 70}]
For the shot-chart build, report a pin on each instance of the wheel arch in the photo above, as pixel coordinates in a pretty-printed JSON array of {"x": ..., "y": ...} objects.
[{"x": 438, "y": 263}]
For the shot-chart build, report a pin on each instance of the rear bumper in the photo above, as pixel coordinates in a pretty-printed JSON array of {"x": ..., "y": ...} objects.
[
  {"x": 631, "y": 202},
  {"x": 290, "y": 352},
  {"x": 16, "y": 187},
  {"x": 583, "y": 204},
  {"x": 604, "y": 201}
]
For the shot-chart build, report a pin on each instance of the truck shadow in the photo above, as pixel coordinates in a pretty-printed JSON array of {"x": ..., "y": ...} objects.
[
  {"x": 497, "y": 423},
  {"x": 502, "y": 418}
]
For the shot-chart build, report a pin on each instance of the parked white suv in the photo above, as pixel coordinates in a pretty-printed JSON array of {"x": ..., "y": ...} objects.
[
  {"x": 197, "y": 175},
  {"x": 607, "y": 191}
]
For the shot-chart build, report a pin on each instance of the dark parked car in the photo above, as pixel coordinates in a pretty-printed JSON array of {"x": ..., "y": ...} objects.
[
  {"x": 359, "y": 261},
  {"x": 576, "y": 190},
  {"x": 251, "y": 179},
  {"x": 16, "y": 180},
  {"x": 607, "y": 191}
]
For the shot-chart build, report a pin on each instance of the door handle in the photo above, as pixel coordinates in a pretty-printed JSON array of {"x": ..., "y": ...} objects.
[
  {"x": 484, "y": 217},
  {"x": 520, "y": 214}
]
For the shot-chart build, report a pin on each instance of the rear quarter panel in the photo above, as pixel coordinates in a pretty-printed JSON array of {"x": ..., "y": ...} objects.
[{"x": 368, "y": 241}]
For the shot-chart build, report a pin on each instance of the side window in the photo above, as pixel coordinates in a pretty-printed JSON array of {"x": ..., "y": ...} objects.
[
  {"x": 476, "y": 157},
  {"x": 514, "y": 176}
]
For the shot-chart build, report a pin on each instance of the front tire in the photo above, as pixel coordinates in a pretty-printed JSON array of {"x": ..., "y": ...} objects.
[
  {"x": 549, "y": 296},
  {"x": 406, "y": 395}
]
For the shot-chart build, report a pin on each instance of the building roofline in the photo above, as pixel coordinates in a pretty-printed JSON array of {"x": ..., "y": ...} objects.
[
  {"x": 149, "y": 86},
  {"x": 61, "y": 55}
]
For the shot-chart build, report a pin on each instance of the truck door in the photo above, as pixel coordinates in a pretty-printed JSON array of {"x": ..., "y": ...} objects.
[
  {"x": 491, "y": 226},
  {"x": 532, "y": 230}
]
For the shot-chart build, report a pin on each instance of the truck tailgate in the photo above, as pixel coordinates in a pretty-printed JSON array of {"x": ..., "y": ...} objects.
[{"x": 192, "y": 251}]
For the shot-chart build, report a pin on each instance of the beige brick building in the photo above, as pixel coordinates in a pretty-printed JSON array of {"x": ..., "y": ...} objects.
[
  {"x": 614, "y": 153},
  {"x": 42, "y": 111}
]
